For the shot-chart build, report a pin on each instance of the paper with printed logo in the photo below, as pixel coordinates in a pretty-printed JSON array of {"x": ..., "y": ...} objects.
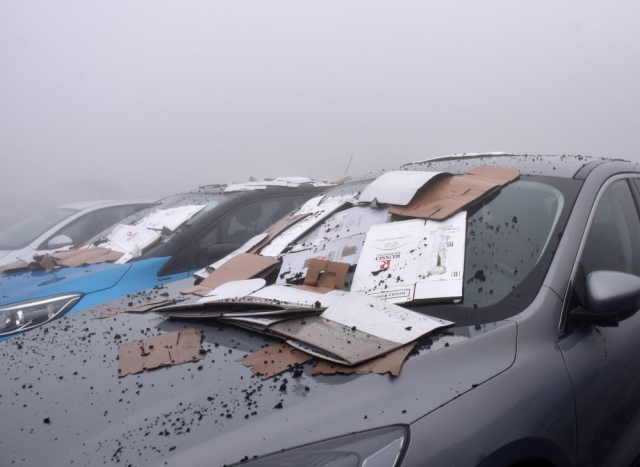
[{"x": 413, "y": 260}]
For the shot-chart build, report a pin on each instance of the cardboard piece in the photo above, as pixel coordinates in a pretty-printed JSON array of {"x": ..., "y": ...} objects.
[
  {"x": 248, "y": 246},
  {"x": 356, "y": 328},
  {"x": 196, "y": 290},
  {"x": 447, "y": 195},
  {"x": 344, "y": 250},
  {"x": 242, "y": 266},
  {"x": 233, "y": 290},
  {"x": 146, "y": 305},
  {"x": 413, "y": 260},
  {"x": 171, "y": 218},
  {"x": 14, "y": 266},
  {"x": 274, "y": 359},
  {"x": 389, "y": 363},
  {"x": 131, "y": 239},
  {"x": 396, "y": 187},
  {"x": 168, "y": 349},
  {"x": 312, "y": 216},
  {"x": 76, "y": 258},
  {"x": 324, "y": 276},
  {"x": 294, "y": 297}
]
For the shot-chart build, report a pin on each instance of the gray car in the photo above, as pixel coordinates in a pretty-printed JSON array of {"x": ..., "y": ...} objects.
[{"x": 541, "y": 368}]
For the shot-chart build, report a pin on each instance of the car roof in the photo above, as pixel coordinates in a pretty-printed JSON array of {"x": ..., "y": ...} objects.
[
  {"x": 566, "y": 166},
  {"x": 82, "y": 205}
]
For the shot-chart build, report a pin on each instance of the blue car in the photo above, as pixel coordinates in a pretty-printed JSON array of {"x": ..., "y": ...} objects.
[{"x": 30, "y": 298}]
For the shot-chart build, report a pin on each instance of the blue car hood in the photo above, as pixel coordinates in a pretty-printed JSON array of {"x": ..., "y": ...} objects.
[{"x": 25, "y": 285}]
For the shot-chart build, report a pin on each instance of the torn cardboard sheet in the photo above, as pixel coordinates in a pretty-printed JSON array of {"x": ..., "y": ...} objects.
[
  {"x": 344, "y": 250},
  {"x": 143, "y": 307},
  {"x": 240, "y": 267},
  {"x": 413, "y": 260},
  {"x": 313, "y": 215},
  {"x": 294, "y": 297},
  {"x": 389, "y": 363},
  {"x": 75, "y": 258},
  {"x": 233, "y": 290},
  {"x": 14, "y": 266},
  {"x": 273, "y": 360},
  {"x": 324, "y": 276},
  {"x": 247, "y": 247},
  {"x": 356, "y": 328},
  {"x": 446, "y": 196},
  {"x": 168, "y": 349},
  {"x": 171, "y": 218},
  {"x": 196, "y": 290},
  {"x": 396, "y": 187}
]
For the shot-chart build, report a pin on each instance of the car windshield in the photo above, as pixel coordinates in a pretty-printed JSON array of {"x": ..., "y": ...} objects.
[
  {"x": 23, "y": 233},
  {"x": 345, "y": 191},
  {"x": 209, "y": 200},
  {"x": 511, "y": 238}
]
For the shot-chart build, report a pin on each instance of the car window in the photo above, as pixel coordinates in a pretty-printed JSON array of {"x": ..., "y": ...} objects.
[
  {"x": 92, "y": 223},
  {"x": 612, "y": 242},
  {"x": 23, "y": 233}
]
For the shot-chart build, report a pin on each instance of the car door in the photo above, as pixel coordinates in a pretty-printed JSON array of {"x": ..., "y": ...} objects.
[{"x": 604, "y": 362}]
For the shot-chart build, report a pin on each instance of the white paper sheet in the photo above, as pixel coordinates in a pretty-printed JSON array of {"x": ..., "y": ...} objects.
[
  {"x": 171, "y": 218},
  {"x": 413, "y": 260},
  {"x": 318, "y": 214},
  {"x": 233, "y": 290},
  {"x": 397, "y": 187}
]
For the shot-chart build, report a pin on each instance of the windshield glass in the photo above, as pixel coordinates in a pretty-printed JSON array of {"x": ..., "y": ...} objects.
[
  {"x": 511, "y": 238},
  {"x": 23, "y": 233},
  {"x": 345, "y": 191},
  {"x": 208, "y": 200}
]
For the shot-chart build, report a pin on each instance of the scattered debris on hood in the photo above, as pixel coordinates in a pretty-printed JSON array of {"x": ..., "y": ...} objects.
[
  {"x": 327, "y": 279},
  {"x": 280, "y": 181},
  {"x": 168, "y": 349},
  {"x": 274, "y": 359}
]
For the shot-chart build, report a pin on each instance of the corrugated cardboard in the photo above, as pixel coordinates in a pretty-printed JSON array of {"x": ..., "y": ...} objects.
[
  {"x": 273, "y": 360},
  {"x": 389, "y": 363},
  {"x": 143, "y": 307},
  {"x": 413, "y": 260},
  {"x": 233, "y": 290},
  {"x": 240, "y": 267},
  {"x": 447, "y": 195},
  {"x": 356, "y": 328},
  {"x": 76, "y": 258},
  {"x": 14, "y": 266},
  {"x": 325, "y": 274},
  {"x": 397, "y": 187},
  {"x": 168, "y": 349},
  {"x": 196, "y": 290}
]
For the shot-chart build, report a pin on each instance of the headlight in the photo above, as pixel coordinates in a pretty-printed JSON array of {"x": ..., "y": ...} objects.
[
  {"x": 378, "y": 448},
  {"x": 23, "y": 316}
]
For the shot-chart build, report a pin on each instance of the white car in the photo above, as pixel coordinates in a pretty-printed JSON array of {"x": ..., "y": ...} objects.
[{"x": 64, "y": 226}]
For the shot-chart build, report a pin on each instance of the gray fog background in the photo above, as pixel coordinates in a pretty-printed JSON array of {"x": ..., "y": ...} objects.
[{"x": 113, "y": 99}]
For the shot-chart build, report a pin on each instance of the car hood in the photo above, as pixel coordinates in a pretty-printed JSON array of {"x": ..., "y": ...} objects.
[
  {"x": 183, "y": 413},
  {"x": 28, "y": 284}
]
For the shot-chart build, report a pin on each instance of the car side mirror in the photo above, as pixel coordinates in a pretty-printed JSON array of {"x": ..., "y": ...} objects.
[
  {"x": 610, "y": 297},
  {"x": 59, "y": 241}
]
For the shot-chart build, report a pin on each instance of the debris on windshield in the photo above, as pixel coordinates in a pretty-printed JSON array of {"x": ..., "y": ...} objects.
[
  {"x": 313, "y": 216},
  {"x": 324, "y": 276},
  {"x": 397, "y": 187},
  {"x": 131, "y": 240},
  {"x": 389, "y": 363},
  {"x": 413, "y": 260},
  {"x": 233, "y": 290},
  {"x": 274, "y": 359},
  {"x": 168, "y": 349},
  {"x": 170, "y": 218},
  {"x": 280, "y": 181},
  {"x": 240, "y": 267},
  {"x": 14, "y": 266},
  {"x": 447, "y": 195}
]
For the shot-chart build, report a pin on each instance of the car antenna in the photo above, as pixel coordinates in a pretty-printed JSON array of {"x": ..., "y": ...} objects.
[{"x": 348, "y": 165}]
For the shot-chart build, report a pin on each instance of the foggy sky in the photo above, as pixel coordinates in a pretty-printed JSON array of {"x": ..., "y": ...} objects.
[{"x": 114, "y": 99}]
